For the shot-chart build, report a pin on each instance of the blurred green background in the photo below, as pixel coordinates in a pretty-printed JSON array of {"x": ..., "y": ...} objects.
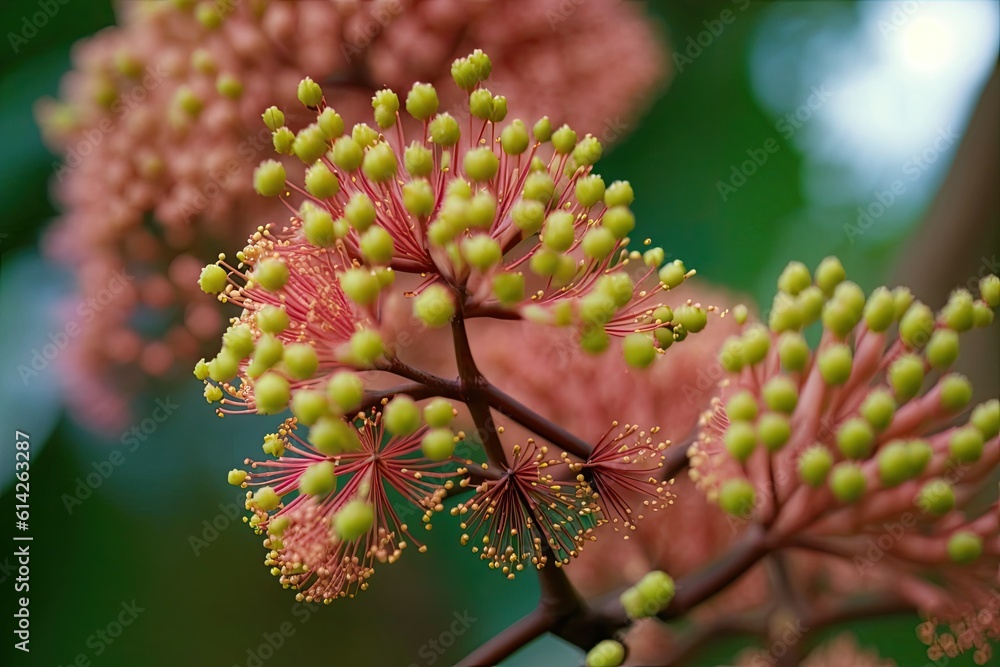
[{"x": 879, "y": 96}]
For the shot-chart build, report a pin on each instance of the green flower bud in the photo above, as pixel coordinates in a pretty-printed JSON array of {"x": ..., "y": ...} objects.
[
  {"x": 330, "y": 123},
  {"x": 321, "y": 182},
  {"x": 236, "y": 477},
  {"x": 916, "y": 325},
  {"x": 266, "y": 499},
  {"x": 366, "y": 346},
  {"x": 528, "y": 215},
  {"x": 692, "y": 318},
  {"x": 558, "y": 232},
  {"x": 901, "y": 300},
  {"x": 638, "y": 350},
  {"x": 894, "y": 464},
  {"x": 438, "y": 444},
  {"x": 539, "y": 186},
  {"x": 347, "y": 154},
  {"x": 439, "y": 413},
  {"x": 271, "y": 274},
  {"x": 481, "y": 164},
  {"x": 360, "y": 286},
  {"x": 942, "y": 348},
  {"x": 774, "y": 430},
  {"x": 376, "y": 245},
  {"x": 386, "y": 104},
  {"x": 731, "y": 354},
  {"x": 793, "y": 351},
  {"x": 317, "y": 225},
  {"x": 379, "y": 163},
  {"x": 301, "y": 360},
  {"x": 815, "y": 464},
  {"x": 594, "y": 340},
  {"x": 589, "y": 190},
  {"x": 672, "y": 274},
  {"x": 740, "y": 313},
  {"x": 435, "y": 306},
  {"x": 224, "y": 367},
  {"x": 360, "y": 212},
  {"x": 598, "y": 243},
  {"x": 737, "y": 497},
  {"x": 365, "y": 135},
  {"x": 740, "y": 440},
  {"x": 619, "y": 220},
  {"x": 319, "y": 479},
  {"x": 309, "y": 92},
  {"x": 564, "y": 140},
  {"x": 880, "y": 310},
  {"x": 989, "y": 290},
  {"x": 544, "y": 262},
  {"x": 308, "y": 405},
  {"x": 514, "y": 139},
  {"x": 401, "y": 416},
  {"x": 272, "y": 319},
  {"x": 481, "y": 251},
  {"x": 608, "y": 653},
  {"x": 201, "y": 369},
  {"x": 422, "y": 101},
  {"x": 229, "y": 86},
  {"x": 617, "y": 286},
  {"x": 966, "y": 444},
  {"x": 829, "y": 274},
  {"x": 268, "y": 352},
  {"x": 742, "y": 406},
  {"x": 543, "y": 130},
  {"x": 786, "y": 315},
  {"x": 273, "y": 118},
  {"x": 269, "y": 178},
  {"x": 847, "y": 482},
  {"x": 781, "y": 394},
  {"x": 936, "y": 497},
  {"x": 508, "y": 288},
  {"x": 756, "y": 344},
  {"x": 981, "y": 314},
  {"x": 588, "y": 151},
  {"x": 986, "y": 417},
  {"x": 919, "y": 453},
  {"x": 965, "y": 547},
  {"x": 353, "y": 520},
  {"x": 839, "y": 317},
  {"x": 213, "y": 279},
  {"x": 310, "y": 144},
  {"x": 271, "y": 393},
  {"x": 906, "y": 374},
  {"x": 444, "y": 130},
  {"x": 345, "y": 391},
  {"x": 619, "y": 193},
  {"x": 956, "y": 392},
  {"x": 809, "y": 305},
  {"x": 958, "y": 313},
  {"x": 188, "y": 101},
  {"x": 835, "y": 364},
  {"x": 283, "y": 139},
  {"x": 878, "y": 409},
  {"x": 481, "y": 103},
  {"x": 794, "y": 278},
  {"x": 856, "y": 438},
  {"x": 239, "y": 340}
]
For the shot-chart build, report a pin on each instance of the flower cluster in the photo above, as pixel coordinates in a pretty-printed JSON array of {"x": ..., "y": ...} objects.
[
  {"x": 493, "y": 220},
  {"x": 861, "y": 441},
  {"x": 159, "y": 124}
]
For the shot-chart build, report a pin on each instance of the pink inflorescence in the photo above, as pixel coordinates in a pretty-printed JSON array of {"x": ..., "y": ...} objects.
[
  {"x": 160, "y": 125},
  {"x": 857, "y": 450}
]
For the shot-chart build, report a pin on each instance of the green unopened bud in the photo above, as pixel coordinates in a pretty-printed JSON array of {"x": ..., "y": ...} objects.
[
  {"x": 319, "y": 479},
  {"x": 481, "y": 164},
  {"x": 986, "y": 418},
  {"x": 608, "y": 653},
  {"x": 618, "y": 286},
  {"x": 936, "y": 497},
  {"x": 366, "y": 346},
  {"x": 594, "y": 340},
  {"x": 364, "y": 134},
  {"x": 236, "y": 477},
  {"x": 272, "y": 319},
  {"x": 444, "y": 130},
  {"x": 638, "y": 350},
  {"x": 269, "y": 178},
  {"x": 901, "y": 300},
  {"x": 672, "y": 274},
  {"x": 418, "y": 198},
  {"x": 213, "y": 279},
  {"x": 273, "y": 118},
  {"x": 386, "y": 105},
  {"x": 589, "y": 190},
  {"x": 794, "y": 278},
  {"x": 808, "y": 306},
  {"x": 481, "y": 103},
  {"x": 774, "y": 430},
  {"x": 229, "y": 86},
  {"x": 401, "y": 416},
  {"x": 309, "y": 92},
  {"x": 528, "y": 215},
  {"x": 347, "y": 154},
  {"x": 965, "y": 547},
  {"x": 916, "y": 325},
  {"x": 793, "y": 351},
  {"x": 692, "y": 318},
  {"x": 878, "y": 409},
  {"x": 966, "y": 444},
  {"x": 271, "y": 274},
  {"x": 835, "y": 364},
  {"x": 301, "y": 360},
  {"x": 439, "y": 413},
  {"x": 989, "y": 290},
  {"x": 266, "y": 499},
  {"x": 317, "y": 225},
  {"x": 360, "y": 286},
  {"x": 321, "y": 182},
  {"x": 619, "y": 193},
  {"x": 188, "y": 101},
  {"x": 847, "y": 482},
  {"x": 345, "y": 390},
  {"x": 271, "y": 393},
  {"x": 543, "y": 129},
  {"x": 815, "y": 464},
  {"x": 438, "y": 444},
  {"x": 499, "y": 111},
  {"x": 310, "y": 144},
  {"x": 942, "y": 348},
  {"x": 740, "y": 313},
  {"x": 435, "y": 306},
  {"x": 353, "y": 520},
  {"x": 376, "y": 245},
  {"x": 224, "y": 366},
  {"x": 737, "y": 497},
  {"x": 379, "y": 164},
  {"x": 330, "y": 123},
  {"x": 539, "y": 186},
  {"x": 856, "y": 438},
  {"x": 308, "y": 405},
  {"x": 360, "y": 212},
  {"x": 742, "y": 406},
  {"x": 201, "y": 369},
  {"x": 781, "y": 394},
  {"x": 238, "y": 339},
  {"x": 740, "y": 440},
  {"x": 268, "y": 352},
  {"x": 598, "y": 243},
  {"x": 558, "y": 232},
  {"x": 756, "y": 344},
  {"x": 906, "y": 374},
  {"x": 839, "y": 317},
  {"x": 283, "y": 139},
  {"x": 481, "y": 251},
  {"x": 786, "y": 314},
  {"x": 829, "y": 274},
  {"x": 588, "y": 151},
  {"x": 956, "y": 392},
  {"x": 894, "y": 464},
  {"x": 958, "y": 314},
  {"x": 564, "y": 140},
  {"x": 981, "y": 314},
  {"x": 422, "y": 101},
  {"x": 514, "y": 139},
  {"x": 508, "y": 288}
]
